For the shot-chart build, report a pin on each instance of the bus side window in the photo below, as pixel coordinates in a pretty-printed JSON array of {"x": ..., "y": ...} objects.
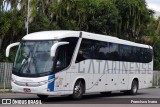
[
  {"x": 141, "y": 55},
  {"x": 149, "y": 55},
  {"x": 70, "y": 48},
  {"x": 114, "y": 52},
  {"x": 60, "y": 62},
  {"x": 86, "y": 51},
  {"x": 133, "y": 57},
  {"x": 101, "y": 50},
  {"x": 65, "y": 53},
  {"x": 144, "y": 55},
  {"x": 138, "y": 55}
]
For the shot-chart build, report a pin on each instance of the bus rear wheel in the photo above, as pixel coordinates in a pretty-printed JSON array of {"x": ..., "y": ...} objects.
[
  {"x": 42, "y": 96},
  {"x": 134, "y": 88},
  {"x": 78, "y": 90}
]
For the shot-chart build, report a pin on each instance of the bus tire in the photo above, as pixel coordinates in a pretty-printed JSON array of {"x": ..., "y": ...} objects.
[
  {"x": 42, "y": 96},
  {"x": 134, "y": 88},
  {"x": 78, "y": 90}
]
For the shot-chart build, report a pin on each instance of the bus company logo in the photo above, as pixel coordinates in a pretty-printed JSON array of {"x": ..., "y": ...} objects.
[
  {"x": 6, "y": 101},
  {"x": 114, "y": 67}
]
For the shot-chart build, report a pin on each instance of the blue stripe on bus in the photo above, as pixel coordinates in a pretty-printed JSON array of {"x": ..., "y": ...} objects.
[{"x": 51, "y": 84}]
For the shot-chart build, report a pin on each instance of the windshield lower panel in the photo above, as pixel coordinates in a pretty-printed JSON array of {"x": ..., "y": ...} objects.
[{"x": 33, "y": 59}]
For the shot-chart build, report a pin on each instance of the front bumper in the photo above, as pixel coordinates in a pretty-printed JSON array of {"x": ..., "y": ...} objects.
[{"x": 36, "y": 90}]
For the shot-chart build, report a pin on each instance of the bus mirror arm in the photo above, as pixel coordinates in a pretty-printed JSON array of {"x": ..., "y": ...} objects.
[
  {"x": 55, "y": 46},
  {"x": 9, "y": 47}
]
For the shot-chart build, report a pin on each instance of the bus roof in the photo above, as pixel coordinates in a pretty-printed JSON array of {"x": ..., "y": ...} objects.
[
  {"x": 59, "y": 34},
  {"x": 112, "y": 39},
  {"x": 50, "y": 35}
]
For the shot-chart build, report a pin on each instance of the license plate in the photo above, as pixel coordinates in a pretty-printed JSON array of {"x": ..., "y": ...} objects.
[{"x": 26, "y": 90}]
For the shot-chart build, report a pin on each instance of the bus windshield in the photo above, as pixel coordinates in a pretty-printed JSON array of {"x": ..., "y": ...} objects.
[{"x": 33, "y": 57}]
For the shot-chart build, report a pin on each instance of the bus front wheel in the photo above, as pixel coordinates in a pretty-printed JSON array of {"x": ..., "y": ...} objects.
[{"x": 78, "y": 90}]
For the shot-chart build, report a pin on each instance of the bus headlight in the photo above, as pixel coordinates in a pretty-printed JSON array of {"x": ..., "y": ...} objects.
[
  {"x": 13, "y": 80},
  {"x": 43, "y": 83}
]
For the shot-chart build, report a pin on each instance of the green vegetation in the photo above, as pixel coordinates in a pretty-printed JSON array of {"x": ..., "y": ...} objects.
[{"x": 126, "y": 19}]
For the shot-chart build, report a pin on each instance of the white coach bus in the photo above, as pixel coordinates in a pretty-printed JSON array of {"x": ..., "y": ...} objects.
[{"x": 75, "y": 63}]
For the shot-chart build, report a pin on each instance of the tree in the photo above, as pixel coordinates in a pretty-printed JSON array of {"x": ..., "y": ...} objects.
[
  {"x": 105, "y": 18},
  {"x": 134, "y": 14},
  {"x": 126, "y": 19}
]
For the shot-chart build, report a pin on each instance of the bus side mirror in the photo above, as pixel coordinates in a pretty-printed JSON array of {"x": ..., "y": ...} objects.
[
  {"x": 9, "y": 47},
  {"x": 55, "y": 46}
]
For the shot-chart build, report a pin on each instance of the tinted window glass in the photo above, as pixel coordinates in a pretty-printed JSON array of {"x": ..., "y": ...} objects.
[
  {"x": 133, "y": 57},
  {"x": 101, "y": 50},
  {"x": 92, "y": 49},
  {"x": 65, "y": 53},
  {"x": 113, "y": 52},
  {"x": 86, "y": 50},
  {"x": 61, "y": 61},
  {"x": 150, "y": 54},
  {"x": 147, "y": 55},
  {"x": 70, "y": 48},
  {"x": 145, "y": 58}
]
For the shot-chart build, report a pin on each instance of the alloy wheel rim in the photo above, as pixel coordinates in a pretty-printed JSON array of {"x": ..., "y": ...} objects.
[
  {"x": 77, "y": 90},
  {"x": 134, "y": 88}
]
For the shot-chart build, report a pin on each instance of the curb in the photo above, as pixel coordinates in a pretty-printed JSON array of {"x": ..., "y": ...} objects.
[{"x": 155, "y": 87}]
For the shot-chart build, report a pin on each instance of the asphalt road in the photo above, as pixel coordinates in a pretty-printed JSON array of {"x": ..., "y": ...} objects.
[{"x": 152, "y": 94}]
